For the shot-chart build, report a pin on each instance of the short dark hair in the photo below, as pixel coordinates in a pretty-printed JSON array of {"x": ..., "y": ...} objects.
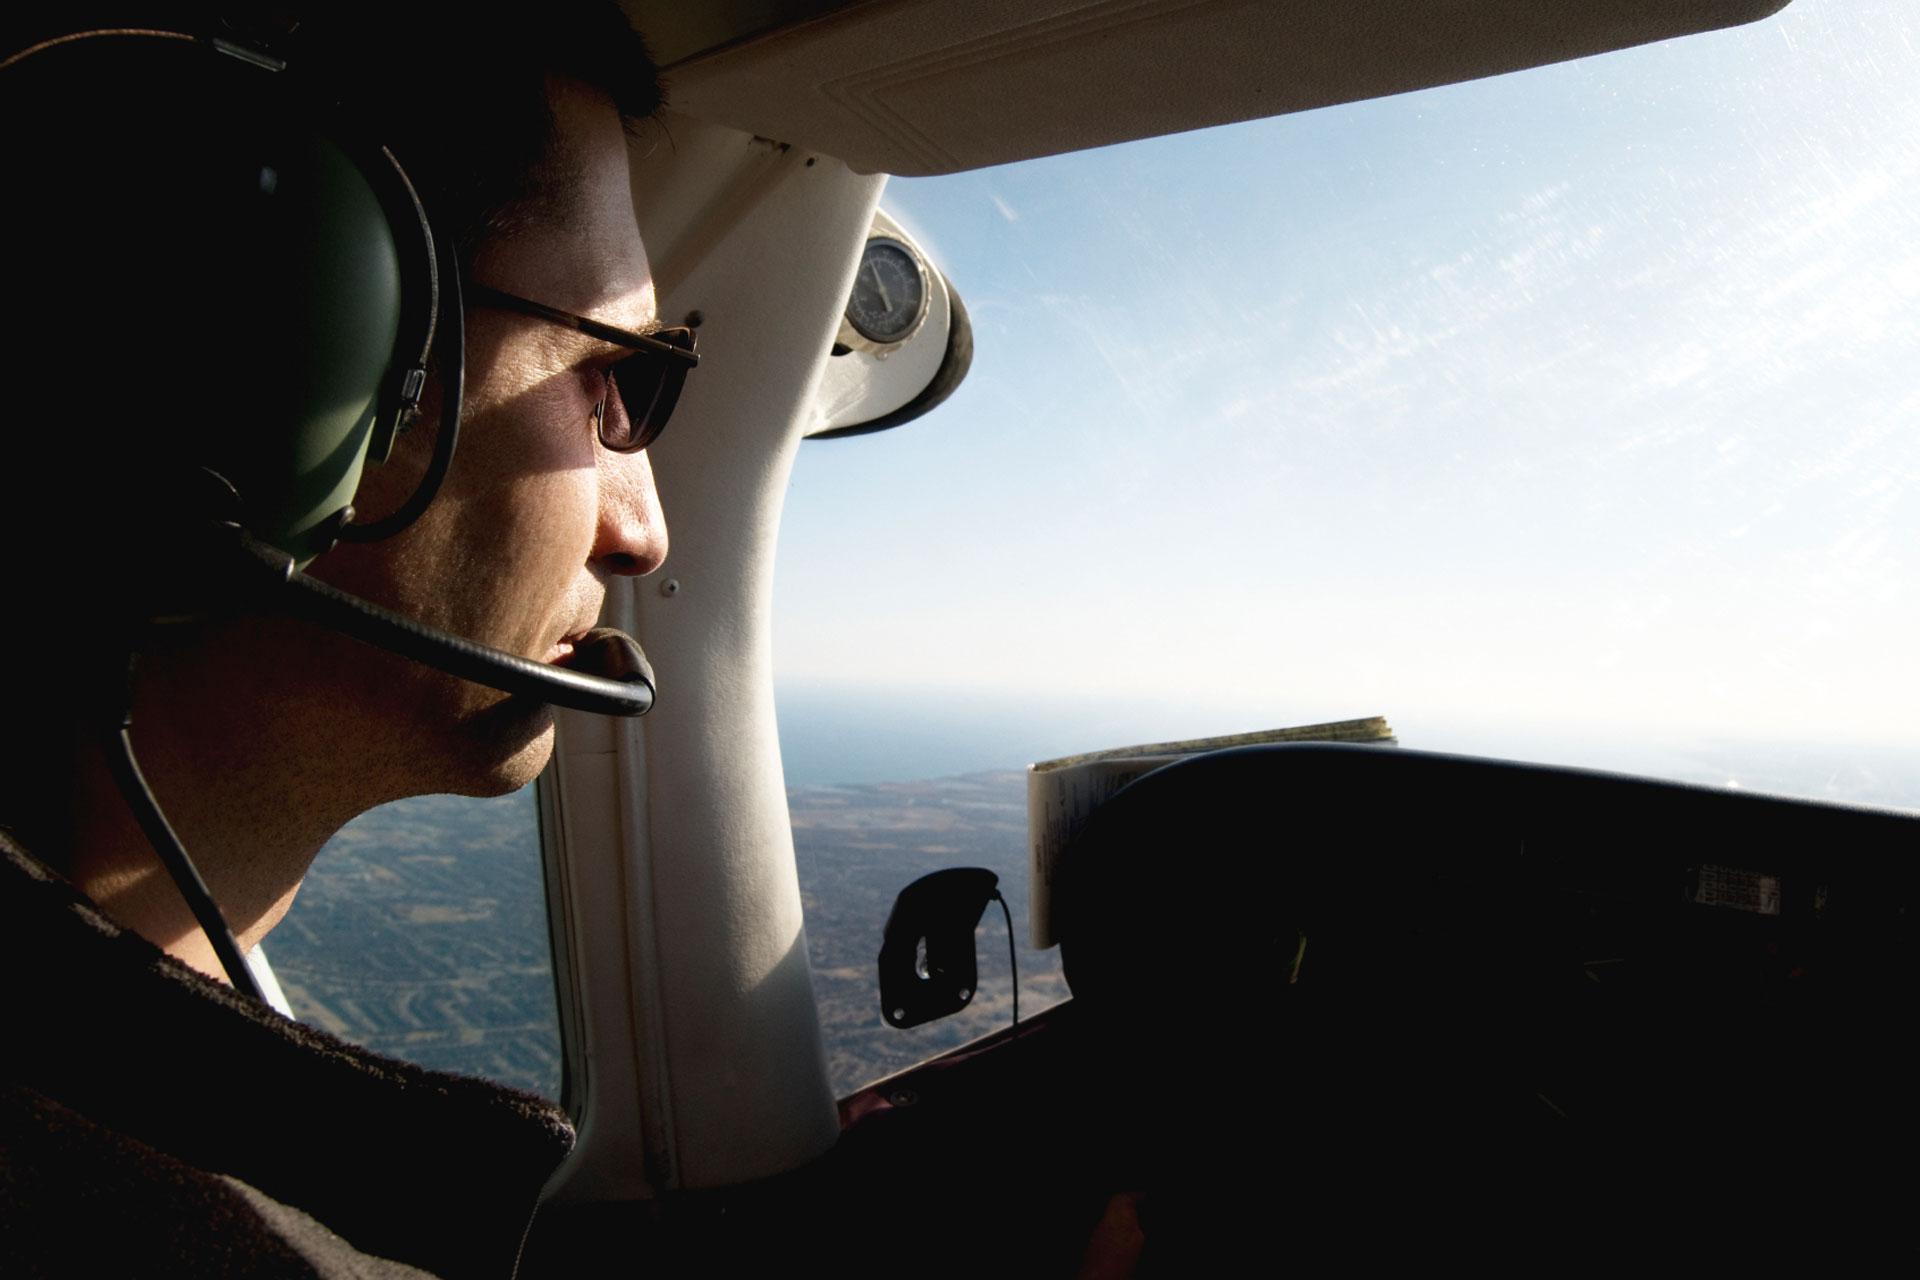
[
  {"x": 458, "y": 92},
  {"x": 462, "y": 98}
]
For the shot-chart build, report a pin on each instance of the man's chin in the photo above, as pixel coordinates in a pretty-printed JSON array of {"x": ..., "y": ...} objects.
[{"x": 511, "y": 742}]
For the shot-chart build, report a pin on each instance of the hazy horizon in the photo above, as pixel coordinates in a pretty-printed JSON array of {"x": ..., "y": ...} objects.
[
  {"x": 832, "y": 733},
  {"x": 1580, "y": 397}
]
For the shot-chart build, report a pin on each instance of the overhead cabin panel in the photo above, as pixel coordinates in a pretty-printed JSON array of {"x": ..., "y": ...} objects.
[{"x": 915, "y": 87}]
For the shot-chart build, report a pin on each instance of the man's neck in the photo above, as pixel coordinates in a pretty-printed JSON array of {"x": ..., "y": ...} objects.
[{"x": 251, "y": 796}]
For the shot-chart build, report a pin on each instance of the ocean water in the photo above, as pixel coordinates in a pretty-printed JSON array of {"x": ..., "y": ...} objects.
[{"x": 834, "y": 735}]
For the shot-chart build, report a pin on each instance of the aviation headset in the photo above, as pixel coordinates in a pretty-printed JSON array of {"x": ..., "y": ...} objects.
[{"x": 293, "y": 294}]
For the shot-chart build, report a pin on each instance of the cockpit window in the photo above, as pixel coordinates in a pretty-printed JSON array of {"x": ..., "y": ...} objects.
[
  {"x": 421, "y": 933},
  {"x": 1568, "y": 415}
]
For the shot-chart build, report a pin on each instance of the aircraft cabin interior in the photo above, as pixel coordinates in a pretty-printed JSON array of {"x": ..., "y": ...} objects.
[
  {"x": 1444, "y": 1075},
  {"x": 1491, "y": 1095}
]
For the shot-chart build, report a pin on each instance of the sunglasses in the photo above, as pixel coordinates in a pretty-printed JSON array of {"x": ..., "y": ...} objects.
[{"x": 646, "y": 385}]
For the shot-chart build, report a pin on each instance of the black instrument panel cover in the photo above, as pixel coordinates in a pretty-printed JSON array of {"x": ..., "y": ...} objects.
[{"x": 1604, "y": 1008}]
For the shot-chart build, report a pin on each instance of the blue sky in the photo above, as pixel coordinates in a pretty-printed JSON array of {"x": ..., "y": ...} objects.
[{"x": 1580, "y": 398}]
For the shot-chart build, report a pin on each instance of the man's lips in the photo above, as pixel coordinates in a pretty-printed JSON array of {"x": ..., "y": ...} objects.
[
  {"x": 609, "y": 653},
  {"x": 564, "y": 648}
]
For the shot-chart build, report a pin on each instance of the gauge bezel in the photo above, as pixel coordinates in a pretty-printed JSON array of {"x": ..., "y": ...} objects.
[{"x": 853, "y": 335}]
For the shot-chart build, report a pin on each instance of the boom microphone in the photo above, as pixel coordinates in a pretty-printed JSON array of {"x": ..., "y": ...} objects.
[{"x": 610, "y": 675}]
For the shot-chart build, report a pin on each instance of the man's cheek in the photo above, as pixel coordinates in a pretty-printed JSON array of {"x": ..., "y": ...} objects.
[{"x": 565, "y": 519}]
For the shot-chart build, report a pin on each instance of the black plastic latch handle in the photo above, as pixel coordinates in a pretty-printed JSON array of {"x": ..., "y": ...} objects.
[{"x": 927, "y": 964}]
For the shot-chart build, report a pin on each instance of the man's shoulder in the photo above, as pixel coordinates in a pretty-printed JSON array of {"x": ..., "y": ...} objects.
[
  {"x": 79, "y": 1198},
  {"x": 136, "y": 1085}
]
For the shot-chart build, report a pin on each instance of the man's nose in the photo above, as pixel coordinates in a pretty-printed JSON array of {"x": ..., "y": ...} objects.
[{"x": 631, "y": 537}]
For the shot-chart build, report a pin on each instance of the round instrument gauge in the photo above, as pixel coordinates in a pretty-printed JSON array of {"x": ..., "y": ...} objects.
[{"x": 889, "y": 299}]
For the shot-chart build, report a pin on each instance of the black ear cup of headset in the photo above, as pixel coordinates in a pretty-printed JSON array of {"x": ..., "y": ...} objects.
[
  {"x": 228, "y": 281},
  {"x": 231, "y": 294}
]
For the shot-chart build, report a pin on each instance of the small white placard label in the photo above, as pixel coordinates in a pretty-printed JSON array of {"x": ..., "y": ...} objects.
[{"x": 1738, "y": 888}]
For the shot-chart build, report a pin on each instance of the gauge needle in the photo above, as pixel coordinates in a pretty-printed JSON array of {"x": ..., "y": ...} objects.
[{"x": 885, "y": 300}]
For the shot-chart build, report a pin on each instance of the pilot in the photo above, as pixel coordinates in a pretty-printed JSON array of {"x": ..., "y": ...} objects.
[{"x": 157, "y": 1121}]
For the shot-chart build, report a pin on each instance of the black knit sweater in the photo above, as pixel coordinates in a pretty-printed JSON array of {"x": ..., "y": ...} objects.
[{"x": 156, "y": 1123}]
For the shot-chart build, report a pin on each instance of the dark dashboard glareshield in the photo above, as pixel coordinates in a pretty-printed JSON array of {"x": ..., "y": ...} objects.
[{"x": 1457, "y": 982}]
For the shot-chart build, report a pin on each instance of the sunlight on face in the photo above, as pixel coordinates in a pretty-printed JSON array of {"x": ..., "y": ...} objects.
[{"x": 535, "y": 516}]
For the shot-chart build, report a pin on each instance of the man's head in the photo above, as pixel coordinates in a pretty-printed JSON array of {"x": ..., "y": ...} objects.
[
  {"x": 536, "y": 517},
  {"x": 514, "y": 136}
]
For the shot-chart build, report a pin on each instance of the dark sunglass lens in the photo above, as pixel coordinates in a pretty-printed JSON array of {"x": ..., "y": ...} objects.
[
  {"x": 630, "y": 422},
  {"x": 646, "y": 388},
  {"x": 614, "y": 418}
]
